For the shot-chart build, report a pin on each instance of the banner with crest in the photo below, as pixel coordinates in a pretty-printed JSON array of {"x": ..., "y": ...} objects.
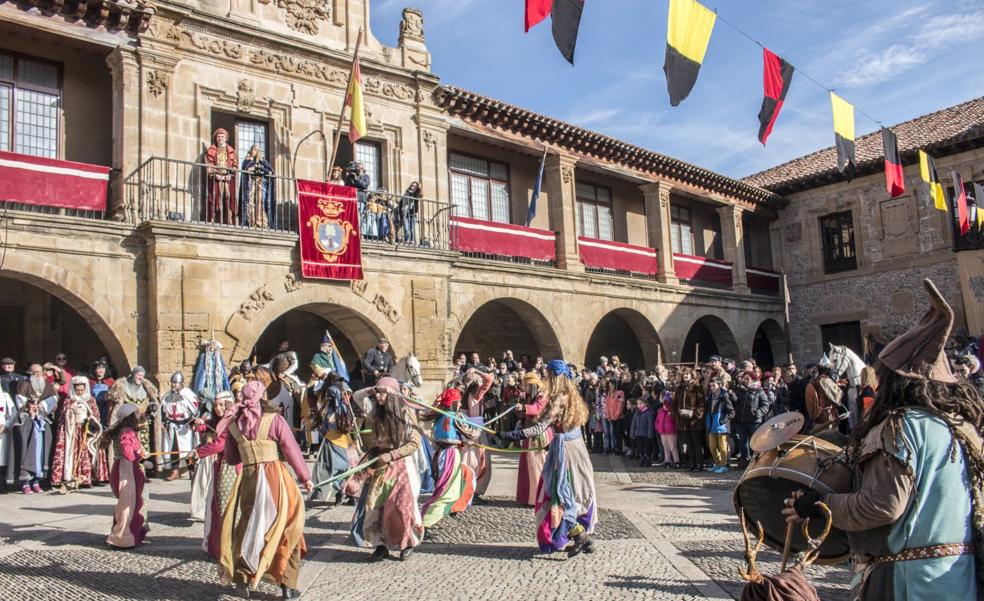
[{"x": 328, "y": 216}]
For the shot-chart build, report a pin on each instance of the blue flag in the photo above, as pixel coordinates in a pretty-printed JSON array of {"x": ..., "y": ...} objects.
[
  {"x": 536, "y": 190},
  {"x": 336, "y": 358}
]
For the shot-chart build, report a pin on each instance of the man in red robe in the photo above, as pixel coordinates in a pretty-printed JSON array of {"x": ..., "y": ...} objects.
[{"x": 221, "y": 205}]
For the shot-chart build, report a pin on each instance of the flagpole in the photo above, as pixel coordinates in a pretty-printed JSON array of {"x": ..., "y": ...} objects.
[{"x": 341, "y": 113}]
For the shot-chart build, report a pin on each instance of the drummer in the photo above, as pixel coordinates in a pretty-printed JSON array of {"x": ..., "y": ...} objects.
[{"x": 910, "y": 519}]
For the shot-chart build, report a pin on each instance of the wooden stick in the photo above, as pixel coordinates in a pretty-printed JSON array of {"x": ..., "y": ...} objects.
[
  {"x": 341, "y": 113},
  {"x": 787, "y": 545}
]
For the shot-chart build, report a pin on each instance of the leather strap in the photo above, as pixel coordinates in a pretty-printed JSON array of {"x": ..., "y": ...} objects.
[{"x": 926, "y": 553}]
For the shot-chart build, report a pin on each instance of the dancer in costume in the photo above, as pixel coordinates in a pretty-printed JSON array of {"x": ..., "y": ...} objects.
[
  {"x": 263, "y": 525},
  {"x": 387, "y": 516},
  {"x": 179, "y": 408},
  {"x": 336, "y": 423},
  {"x": 455, "y": 481},
  {"x": 215, "y": 476},
  {"x": 127, "y": 478},
  {"x": 477, "y": 384},
  {"x": 78, "y": 419},
  {"x": 566, "y": 508},
  {"x": 531, "y": 463}
]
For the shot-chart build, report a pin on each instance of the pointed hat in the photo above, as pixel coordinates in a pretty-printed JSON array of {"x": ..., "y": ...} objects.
[{"x": 918, "y": 353}]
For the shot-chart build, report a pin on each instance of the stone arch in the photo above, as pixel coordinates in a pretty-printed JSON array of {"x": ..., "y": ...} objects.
[
  {"x": 487, "y": 330},
  {"x": 769, "y": 344},
  {"x": 105, "y": 318},
  {"x": 627, "y": 333},
  {"x": 336, "y": 304},
  {"x": 713, "y": 336}
]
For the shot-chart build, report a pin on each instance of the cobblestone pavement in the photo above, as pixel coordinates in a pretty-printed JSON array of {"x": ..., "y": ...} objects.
[{"x": 663, "y": 534}]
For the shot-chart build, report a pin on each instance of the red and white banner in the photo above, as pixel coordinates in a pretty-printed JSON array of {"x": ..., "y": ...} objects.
[
  {"x": 52, "y": 183},
  {"x": 328, "y": 218},
  {"x": 605, "y": 254},
  {"x": 689, "y": 267},
  {"x": 762, "y": 279},
  {"x": 491, "y": 238}
]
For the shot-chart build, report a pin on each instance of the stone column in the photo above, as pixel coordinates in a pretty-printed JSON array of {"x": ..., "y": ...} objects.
[
  {"x": 658, "y": 222},
  {"x": 126, "y": 127},
  {"x": 732, "y": 237},
  {"x": 775, "y": 244},
  {"x": 558, "y": 183}
]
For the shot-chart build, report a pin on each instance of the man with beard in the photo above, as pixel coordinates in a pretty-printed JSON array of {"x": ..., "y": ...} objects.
[
  {"x": 37, "y": 398},
  {"x": 178, "y": 408},
  {"x": 136, "y": 389},
  {"x": 9, "y": 378},
  {"x": 72, "y": 466},
  {"x": 99, "y": 386},
  {"x": 914, "y": 515}
]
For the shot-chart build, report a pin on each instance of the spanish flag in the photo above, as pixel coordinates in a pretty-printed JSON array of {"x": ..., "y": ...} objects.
[
  {"x": 963, "y": 217},
  {"x": 776, "y": 79},
  {"x": 688, "y": 32},
  {"x": 844, "y": 135},
  {"x": 927, "y": 171},
  {"x": 894, "y": 178},
  {"x": 357, "y": 125}
]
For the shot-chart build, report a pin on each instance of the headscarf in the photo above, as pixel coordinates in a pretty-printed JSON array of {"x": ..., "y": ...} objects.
[
  {"x": 247, "y": 412},
  {"x": 559, "y": 367},
  {"x": 449, "y": 397},
  {"x": 390, "y": 384}
]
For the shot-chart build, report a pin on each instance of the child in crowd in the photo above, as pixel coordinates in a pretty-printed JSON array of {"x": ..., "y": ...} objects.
[
  {"x": 642, "y": 432},
  {"x": 667, "y": 431}
]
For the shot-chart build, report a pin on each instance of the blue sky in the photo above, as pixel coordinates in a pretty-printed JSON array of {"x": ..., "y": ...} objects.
[{"x": 893, "y": 59}]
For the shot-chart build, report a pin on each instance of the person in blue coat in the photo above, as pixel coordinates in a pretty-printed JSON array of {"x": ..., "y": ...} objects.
[
  {"x": 720, "y": 410},
  {"x": 914, "y": 518}
]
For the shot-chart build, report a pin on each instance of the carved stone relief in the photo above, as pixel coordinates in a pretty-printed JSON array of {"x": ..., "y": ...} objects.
[
  {"x": 245, "y": 96},
  {"x": 305, "y": 16},
  {"x": 157, "y": 83}
]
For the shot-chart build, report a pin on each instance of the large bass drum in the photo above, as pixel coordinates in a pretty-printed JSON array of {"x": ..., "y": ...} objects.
[{"x": 773, "y": 475}]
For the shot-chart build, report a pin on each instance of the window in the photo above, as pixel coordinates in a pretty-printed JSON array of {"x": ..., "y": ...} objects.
[
  {"x": 479, "y": 188},
  {"x": 249, "y": 134},
  {"x": 681, "y": 231},
  {"x": 370, "y": 155},
  {"x": 594, "y": 207},
  {"x": 30, "y": 97},
  {"x": 846, "y": 333},
  {"x": 837, "y": 238}
]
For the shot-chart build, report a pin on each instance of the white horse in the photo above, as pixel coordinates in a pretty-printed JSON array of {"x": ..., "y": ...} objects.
[
  {"x": 845, "y": 362},
  {"x": 407, "y": 370}
]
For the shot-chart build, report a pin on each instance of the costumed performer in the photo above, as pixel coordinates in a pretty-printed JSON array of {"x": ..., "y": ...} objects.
[
  {"x": 127, "y": 478},
  {"x": 455, "y": 481}
]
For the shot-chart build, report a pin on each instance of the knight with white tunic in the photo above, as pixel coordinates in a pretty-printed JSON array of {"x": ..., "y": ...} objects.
[
  {"x": 179, "y": 408},
  {"x": 8, "y": 417}
]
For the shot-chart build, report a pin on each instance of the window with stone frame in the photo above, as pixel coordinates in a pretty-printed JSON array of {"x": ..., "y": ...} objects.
[
  {"x": 837, "y": 242},
  {"x": 479, "y": 188},
  {"x": 681, "y": 230},
  {"x": 30, "y": 102},
  {"x": 594, "y": 208}
]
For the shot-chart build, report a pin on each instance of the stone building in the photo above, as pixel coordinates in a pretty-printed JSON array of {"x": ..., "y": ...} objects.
[
  {"x": 855, "y": 258},
  {"x": 631, "y": 252}
]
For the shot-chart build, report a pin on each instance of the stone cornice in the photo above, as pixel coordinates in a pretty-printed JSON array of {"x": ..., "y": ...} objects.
[{"x": 111, "y": 15}]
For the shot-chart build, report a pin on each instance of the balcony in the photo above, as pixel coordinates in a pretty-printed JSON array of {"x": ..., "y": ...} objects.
[
  {"x": 53, "y": 186},
  {"x": 702, "y": 271},
  {"x": 172, "y": 190},
  {"x": 503, "y": 241},
  {"x": 764, "y": 281},
  {"x": 617, "y": 258}
]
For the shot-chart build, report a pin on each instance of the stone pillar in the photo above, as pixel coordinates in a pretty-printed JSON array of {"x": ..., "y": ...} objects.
[
  {"x": 558, "y": 183},
  {"x": 733, "y": 239},
  {"x": 657, "y": 197},
  {"x": 775, "y": 244},
  {"x": 126, "y": 127}
]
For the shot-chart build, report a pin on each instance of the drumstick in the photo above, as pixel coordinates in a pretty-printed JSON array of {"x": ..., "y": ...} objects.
[{"x": 786, "y": 546}]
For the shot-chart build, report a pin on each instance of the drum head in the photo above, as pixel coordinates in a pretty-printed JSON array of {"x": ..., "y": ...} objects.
[
  {"x": 762, "y": 499},
  {"x": 776, "y": 431}
]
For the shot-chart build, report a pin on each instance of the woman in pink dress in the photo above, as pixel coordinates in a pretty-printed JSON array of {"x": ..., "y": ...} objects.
[{"x": 127, "y": 479}]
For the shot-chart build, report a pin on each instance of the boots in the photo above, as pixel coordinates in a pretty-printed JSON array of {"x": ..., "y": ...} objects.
[
  {"x": 581, "y": 543},
  {"x": 289, "y": 593},
  {"x": 174, "y": 475}
]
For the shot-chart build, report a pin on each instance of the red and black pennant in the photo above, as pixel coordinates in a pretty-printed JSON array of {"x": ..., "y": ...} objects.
[
  {"x": 778, "y": 74},
  {"x": 566, "y": 18},
  {"x": 894, "y": 178}
]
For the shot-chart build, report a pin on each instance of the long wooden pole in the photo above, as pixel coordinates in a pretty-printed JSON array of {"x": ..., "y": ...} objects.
[{"x": 341, "y": 113}]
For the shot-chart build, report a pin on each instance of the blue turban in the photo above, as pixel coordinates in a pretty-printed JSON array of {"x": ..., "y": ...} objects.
[{"x": 560, "y": 368}]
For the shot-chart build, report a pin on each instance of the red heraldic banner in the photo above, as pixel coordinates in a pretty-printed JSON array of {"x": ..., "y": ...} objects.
[
  {"x": 52, "y": 183},
  {"x": 328, "y": 219}
]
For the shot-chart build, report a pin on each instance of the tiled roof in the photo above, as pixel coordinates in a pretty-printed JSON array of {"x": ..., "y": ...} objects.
[
  {"x": 947, "y": 131},
  {"x": 495, "y": 113},
  {"x": 127, "y": 15}
]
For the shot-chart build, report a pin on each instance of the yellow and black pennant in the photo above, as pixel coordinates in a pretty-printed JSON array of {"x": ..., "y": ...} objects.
[
  {"x": 844, "y": 135},
  {"x": 687, "y": 35},
  {"x": 927, "y": 171}
]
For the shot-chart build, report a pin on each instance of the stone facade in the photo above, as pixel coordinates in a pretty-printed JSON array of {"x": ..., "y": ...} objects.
[{"x": 152, "y": 289}]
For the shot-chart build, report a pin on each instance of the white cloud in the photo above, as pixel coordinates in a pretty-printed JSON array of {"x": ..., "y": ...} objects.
[{"x": 593, "y": 117}]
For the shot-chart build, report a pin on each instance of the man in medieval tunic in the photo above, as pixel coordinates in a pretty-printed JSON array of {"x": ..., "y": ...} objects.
[
  {"x": 179, "y": 407},
  {"x": 37, "y": 399},
  {"x": 74, "y": 465},
  {"x": 8, "y": 417},
  {"x": 914, "y": 517},
  {"x": 138, "y": 390},
  {"x": 222, "y": 204},
  {"x": 283, "y": 351}
]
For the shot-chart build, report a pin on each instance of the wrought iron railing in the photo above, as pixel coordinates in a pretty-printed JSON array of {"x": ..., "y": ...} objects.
[{"x": 191, "y": 192}]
